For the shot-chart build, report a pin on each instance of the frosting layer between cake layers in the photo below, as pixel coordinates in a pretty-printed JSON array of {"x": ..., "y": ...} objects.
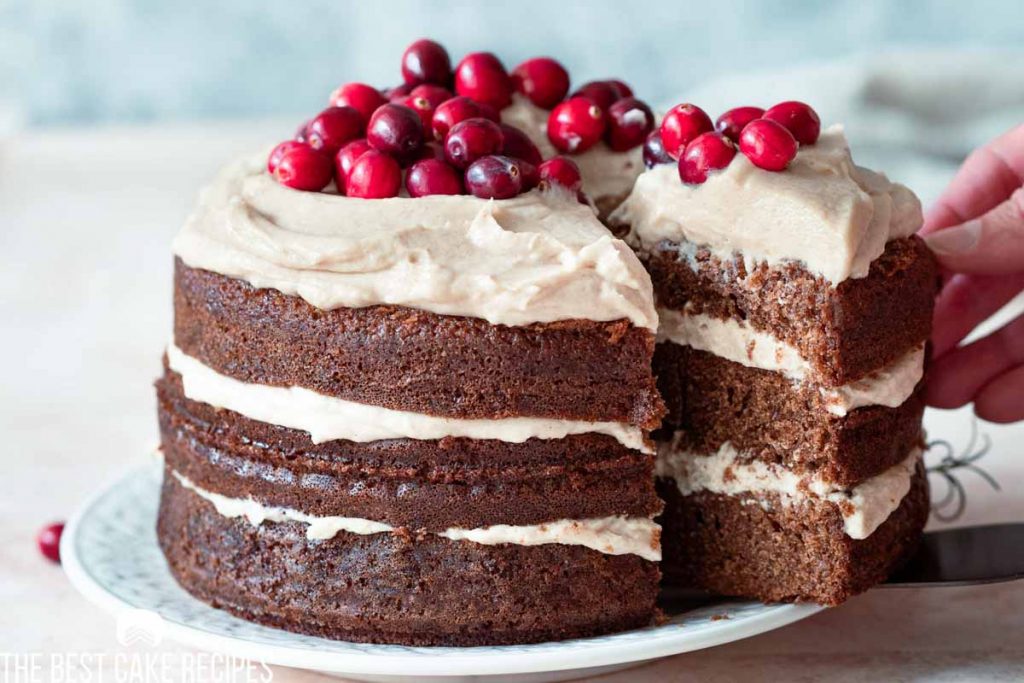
[
  {"x": 824, "y": 212},
  {"x": 613, "y": 535},
  {"x": 326, "y": 418},
  {"x": 864, "y": 507},
  {"x": 738, "y": 342},
  {"x": 539, "y": 257}
]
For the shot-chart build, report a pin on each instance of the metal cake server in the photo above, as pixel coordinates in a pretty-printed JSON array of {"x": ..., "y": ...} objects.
[{"x": 964, "y": 557}]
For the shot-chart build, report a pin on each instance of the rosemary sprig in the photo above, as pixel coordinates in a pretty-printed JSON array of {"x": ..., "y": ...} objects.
[{"x": 950, "y": 462}]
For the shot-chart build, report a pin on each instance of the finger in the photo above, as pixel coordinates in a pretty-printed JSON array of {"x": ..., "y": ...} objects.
[
  {"x": 957, "y": 377},
  {"x": 991, "y": 244},
  {"x": 987, "y": 177},
  {"x": 1002, "y": 399},
  {"x": 967, "y": 300}
]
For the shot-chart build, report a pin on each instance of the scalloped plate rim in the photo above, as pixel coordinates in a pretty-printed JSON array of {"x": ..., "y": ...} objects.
[{"x": 619, "y": 649}]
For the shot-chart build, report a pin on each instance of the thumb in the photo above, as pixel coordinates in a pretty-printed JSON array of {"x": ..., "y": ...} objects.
[{"x": 992, "y": 244}]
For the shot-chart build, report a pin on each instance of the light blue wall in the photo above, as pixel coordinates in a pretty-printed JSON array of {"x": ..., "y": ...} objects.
[{"x": 72, "y": 61}]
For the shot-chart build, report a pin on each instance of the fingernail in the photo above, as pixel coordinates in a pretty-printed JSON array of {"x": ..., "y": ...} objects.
[{"x": 955, "y": 240}]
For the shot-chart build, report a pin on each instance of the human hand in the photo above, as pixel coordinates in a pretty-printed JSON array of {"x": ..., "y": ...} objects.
[{"x": 976, "y": 230}]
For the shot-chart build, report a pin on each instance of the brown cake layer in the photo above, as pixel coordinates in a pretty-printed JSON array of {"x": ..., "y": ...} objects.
[
  {"x": 394, "y": 588},
  {"x": 768, "y": 416},
  {"x": 845, "y": 332},
  {"x": 406, "y": 359},
  {"x": 431, "y": 485},
  {"x": 725, "y": 545}
]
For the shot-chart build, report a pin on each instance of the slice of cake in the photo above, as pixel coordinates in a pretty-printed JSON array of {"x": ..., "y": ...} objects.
[
  {"x": 794, "y": 304},
  {"x": 418, "y": 413}
]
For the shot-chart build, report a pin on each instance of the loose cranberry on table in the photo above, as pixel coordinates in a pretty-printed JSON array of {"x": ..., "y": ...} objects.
[
  {"x": 452, "y": 111},
  {"x": 482, "y": 77},
  {"x": 629, "y": 122},
  {"x": 396, "y": 130},
  {"x": 48, "y": 540},
  {"x": 494, "y": 177},
  {"x": 602, "y": 93},
  {"x": 432, "y": 176},
  {"x": 518, "y": 145},
  {"x": 707, "y": 152},
  {"x": 434, "y": 94},
  {"x": 362, "y": 97},
  {"x": 576, "y": 125},
  {"x": 542, "y": 80},
  {"x": 426, "y": 61},
  {"x": 731, "y": 123},
  {"x": 304, "y": 168},
  {"x": 333, "y": 127},
  {"x": 346, "y": 158},
  {"x": 471, "y": 139},
  {"x": 561, "y": 171},
  {"x": 275, "y": 155},
  {"x": 681, "y": 124},
  {"x": 423, "y": 108},
  {"x": 798, "y": 118},
  {"x": 654, "y": 150},
  {"x": 374, "y": 175},
  {"x": 768, "y": 145}
]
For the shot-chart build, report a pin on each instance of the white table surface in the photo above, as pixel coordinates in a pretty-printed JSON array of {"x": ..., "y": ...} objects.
[{"x": 86, "y": 220}]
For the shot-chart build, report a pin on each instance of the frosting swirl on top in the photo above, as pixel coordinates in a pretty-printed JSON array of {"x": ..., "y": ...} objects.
[
  {"x": 540, "y": 257},
  {"x": 824, "y": 212},
  {"x": 605, "y": 172}
]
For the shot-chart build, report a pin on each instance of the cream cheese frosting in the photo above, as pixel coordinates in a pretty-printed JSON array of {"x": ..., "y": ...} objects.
[
  {"x": 536, "y": 258},
  {"x": 823, "y": 212},
  {"x": 616, "y": 535},
  {"x": 605, "y": 172},
  {"x": 738, "y": 342},
  {"x": 326, "y": 418},
  {"x": 863, "y": 507}
]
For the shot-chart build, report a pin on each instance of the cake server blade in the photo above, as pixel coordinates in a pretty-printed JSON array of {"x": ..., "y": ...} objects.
[{"x": 964, "y": 557}]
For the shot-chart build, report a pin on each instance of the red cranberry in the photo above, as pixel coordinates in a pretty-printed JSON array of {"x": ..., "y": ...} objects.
[
  {"x": 768, "y": 144},
  {"x": 731, "y": 123},
  {"x": 275, "y": 155},
  {"x": 576, "y": 125},
  {"x": 494, "y": 177},
  {"x": 346, "y": 158},
  {"x": 681, "y": 124},
  {"x": 375, "y": 175},
  {"x": 482, "y": 77},
  {"x": 422, "y": 107},
  {"x": 304, "y": 168},
  {"x": 396, "y": 130},
  {"x": 518, "y": 145},
  {"x": 301, "y": 132},
  {"x": 798, "y": 118},
  {"x": 333, "y": 127},
  {"x": 529, "y": 173},
  {"x": 48, "y": 540},
  {"x": 397, "y": 93},
  {"x": 434, "y": 94},
  {"x": 426, "y": 62},
  {"x": 629, "y": 122},
  {"x": 602, "y": 93},
  {"x": 431, "y": 150},
  {"x": 561, "y": 171},
  {"x": 624, "y": 90},
  {"x": 432, "y": 176},
  {"x": 543, "y": 80},
  {"x": 489, "y": 112},
  {"x": 452, "y": 111},
  {"x": 363, "y": 98},
  {"x": 471, "y": 139},
  {"x": 707, "y": 152},
  {"x": 654, "y": 151}
]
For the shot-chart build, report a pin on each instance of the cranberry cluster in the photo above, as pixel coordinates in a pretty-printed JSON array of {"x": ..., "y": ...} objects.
[
  {"x": 440, "y": 141},
  {"x": 768, "y": 138}
]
